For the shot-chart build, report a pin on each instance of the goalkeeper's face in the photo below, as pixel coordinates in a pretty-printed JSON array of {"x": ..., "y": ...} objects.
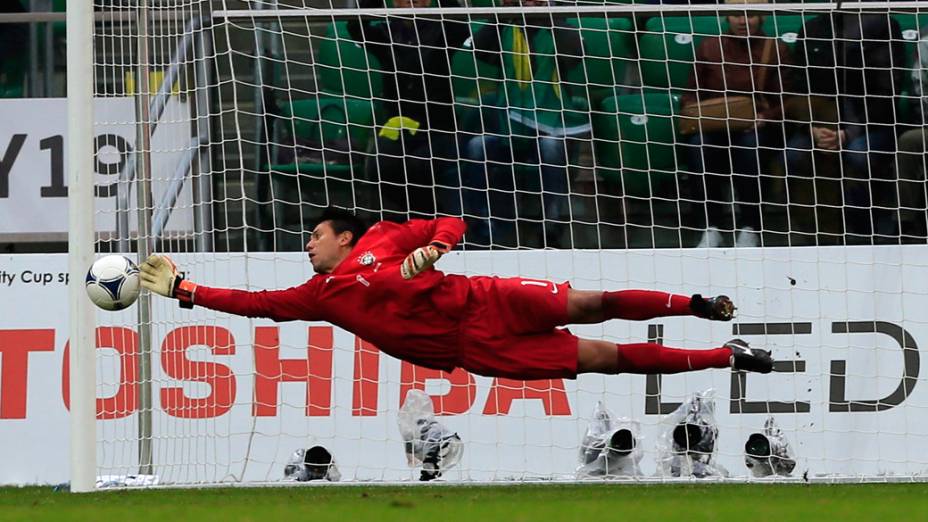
[{"x": 327, "y": 249}]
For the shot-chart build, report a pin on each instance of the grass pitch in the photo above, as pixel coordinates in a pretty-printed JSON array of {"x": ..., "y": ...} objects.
[{"x": 530, "y": 503}]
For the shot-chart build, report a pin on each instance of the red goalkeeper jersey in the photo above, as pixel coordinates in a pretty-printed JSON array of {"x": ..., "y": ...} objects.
[{"x": 416, "y": 320}]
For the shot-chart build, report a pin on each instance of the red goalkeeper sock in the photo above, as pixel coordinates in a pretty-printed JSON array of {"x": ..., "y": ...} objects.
[
  {"x": 655, "y": 358},
  {"x": 637, "y": 305}
]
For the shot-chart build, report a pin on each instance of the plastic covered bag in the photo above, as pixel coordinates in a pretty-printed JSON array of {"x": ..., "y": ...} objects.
[
  {"x": 611, "y": 446},
  {"x": 427, "y": 442},
  {"x": 688, "y": 445},
  {"x": 768, "y": 453},
  {"x": 126, "y": 481},
  {"x": 315, "y": 463}
]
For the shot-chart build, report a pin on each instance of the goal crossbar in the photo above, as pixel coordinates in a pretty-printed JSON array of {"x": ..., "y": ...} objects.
[{"x": 576, "y": 10}]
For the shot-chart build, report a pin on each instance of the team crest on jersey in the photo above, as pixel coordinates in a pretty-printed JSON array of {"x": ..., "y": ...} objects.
[{"x": 367, "y": 258}]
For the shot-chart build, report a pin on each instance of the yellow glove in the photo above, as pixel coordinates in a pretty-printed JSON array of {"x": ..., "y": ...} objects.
[
  {"x": 159, "y": 274},
  {"x": 422, "y": 258}
]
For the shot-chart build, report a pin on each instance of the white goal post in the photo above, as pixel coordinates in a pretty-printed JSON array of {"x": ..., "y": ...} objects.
[
  {"x": 83, "y": 450},
  {"x": 218, "y": 131}
]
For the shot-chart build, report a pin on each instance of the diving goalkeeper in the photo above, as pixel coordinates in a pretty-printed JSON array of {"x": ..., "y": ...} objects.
[{"x": 379, "y": 283}]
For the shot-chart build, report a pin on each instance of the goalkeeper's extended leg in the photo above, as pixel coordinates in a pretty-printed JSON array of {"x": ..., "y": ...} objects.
[
  {"x": 636, "y": 305},
  {"x": 651, "y": 358}
]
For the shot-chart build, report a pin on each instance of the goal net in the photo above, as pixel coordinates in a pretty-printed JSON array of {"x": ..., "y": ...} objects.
[{"x": 771, "y": 152}]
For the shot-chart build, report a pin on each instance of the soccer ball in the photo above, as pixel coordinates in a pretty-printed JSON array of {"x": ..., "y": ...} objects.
[{"x": 113, "y": 282}]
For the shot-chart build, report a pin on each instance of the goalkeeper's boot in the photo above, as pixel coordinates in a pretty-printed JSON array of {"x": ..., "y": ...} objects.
[
  {"x": 714, "y": 308},
  {"x": 748, "y": 359}
]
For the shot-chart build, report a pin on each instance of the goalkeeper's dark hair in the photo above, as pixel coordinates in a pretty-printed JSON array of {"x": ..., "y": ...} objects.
[{"x": 343, "y": 220}]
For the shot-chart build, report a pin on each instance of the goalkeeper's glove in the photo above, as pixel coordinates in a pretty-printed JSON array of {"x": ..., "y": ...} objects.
[
  {"x": 159, "y": 274},
  {"x": 422, "y": 258},
  {"x": 713, "y": 308}
]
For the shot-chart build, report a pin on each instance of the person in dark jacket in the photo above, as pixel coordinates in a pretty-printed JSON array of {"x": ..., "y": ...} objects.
[
  {"x": 416, "y": 149},
  {"x": 849, "y": 66}
]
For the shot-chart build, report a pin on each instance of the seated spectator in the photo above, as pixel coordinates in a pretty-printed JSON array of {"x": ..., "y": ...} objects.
[
  {"x": 913, "y": 145},
  {"x": 531, "y": 123},
  {"x": 742, "y": 62},
  {"x": 417, "y": 146},
  {"x": 844, "y": 63}
]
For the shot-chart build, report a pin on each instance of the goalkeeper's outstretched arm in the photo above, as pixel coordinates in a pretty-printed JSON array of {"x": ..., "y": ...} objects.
[{"x": 159, "y": 275}]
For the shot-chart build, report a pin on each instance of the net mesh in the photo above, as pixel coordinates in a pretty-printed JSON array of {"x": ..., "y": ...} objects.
[{"x": 584, "y": 146}]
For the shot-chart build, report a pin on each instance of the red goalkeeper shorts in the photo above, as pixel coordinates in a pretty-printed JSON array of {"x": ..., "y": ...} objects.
[{"x": 510, "y": 330}]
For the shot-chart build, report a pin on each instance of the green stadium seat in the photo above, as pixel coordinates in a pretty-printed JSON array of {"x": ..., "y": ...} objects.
[
  {"x": 667, "y": 48},
  {"x": 911, "y": 22},
  {"x": 634, "y": 140},
  {"x": 475, "y": 83},
  {"x": 60, "y": 28},
  {"x": 608, "y": 47},
  {"x": 343, "y": 126},
  {"x": 785, "y": 27},
  {"x": 910, "y": 26},
  {"x": 344, "y": 67}
]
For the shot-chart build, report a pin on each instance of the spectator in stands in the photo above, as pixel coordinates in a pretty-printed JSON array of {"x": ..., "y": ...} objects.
[
  {"x": 913, "y": 146},
  {"x": 532, "y": 121},
  {"x": 845, "y": 64},
  {"x": 742, "y": 62},
  {"x": 416, "y": 149}
]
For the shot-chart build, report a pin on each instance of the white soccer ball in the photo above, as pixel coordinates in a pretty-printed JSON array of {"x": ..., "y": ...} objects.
[{"x": 113, "y": 282}]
